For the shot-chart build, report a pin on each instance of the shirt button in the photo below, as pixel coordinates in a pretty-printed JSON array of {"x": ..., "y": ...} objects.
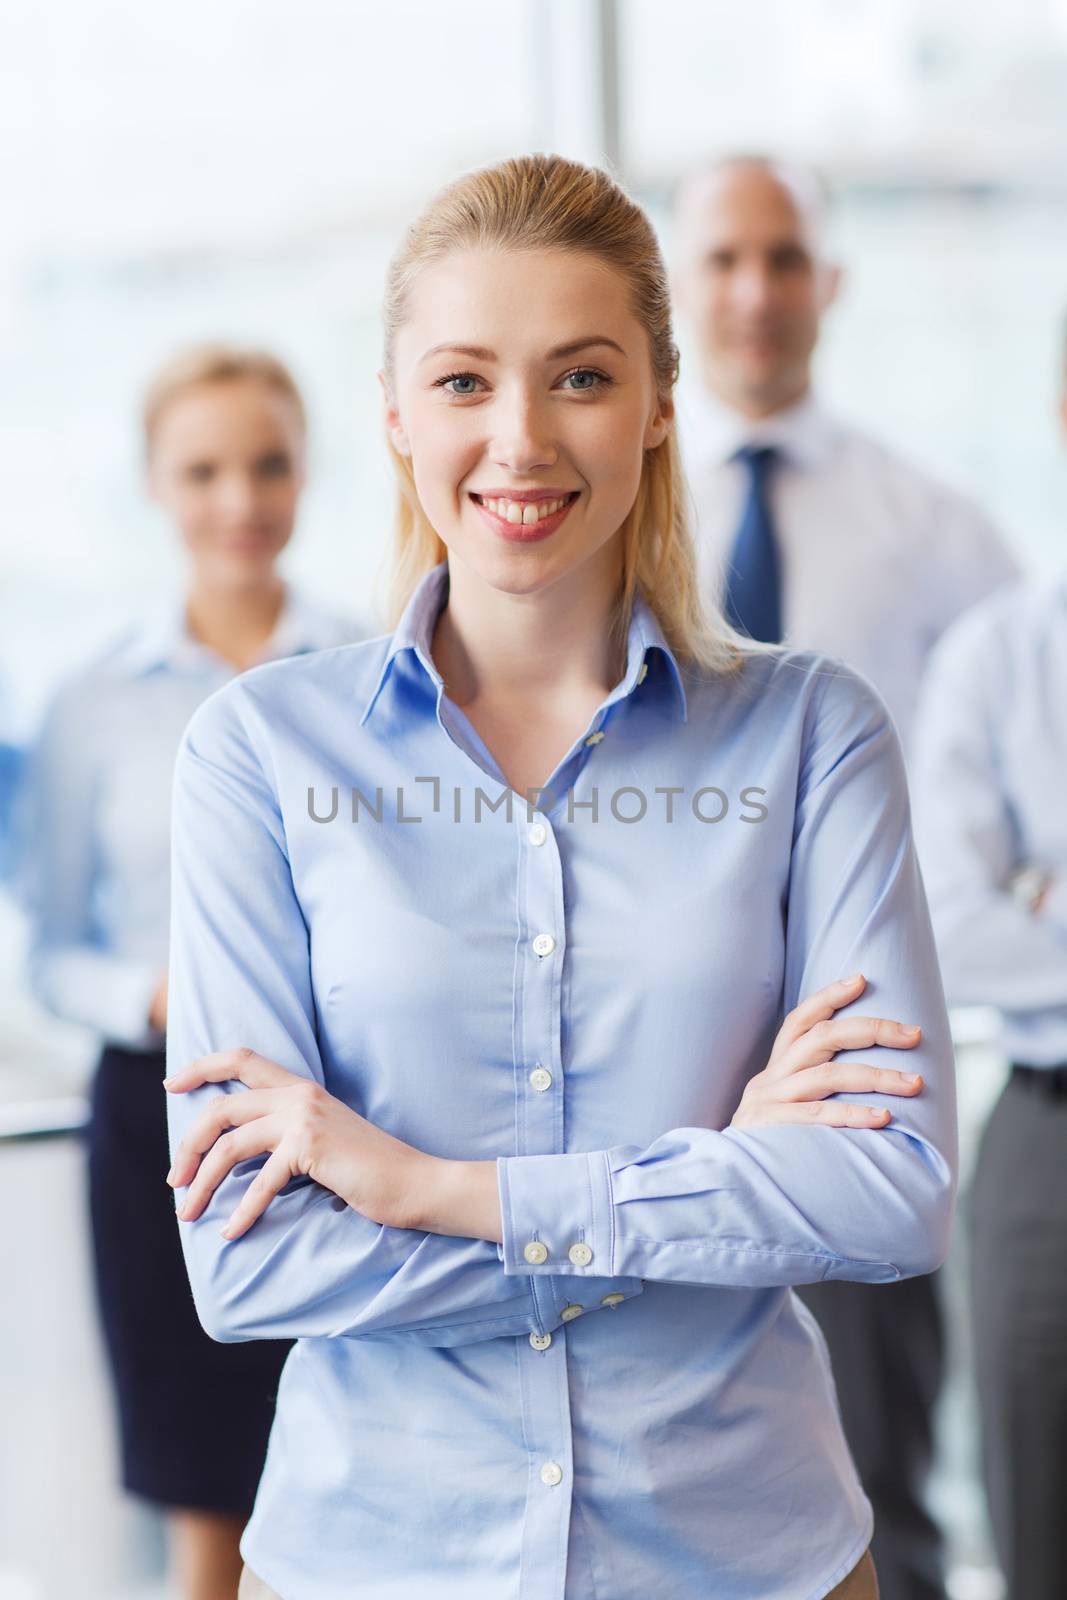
[
  {"x": 535, "y": 1252},
  {"x": 551, "y": 1473},
  {"x": 612, "y": 1300},
  {"x": 580, "y": 1254},
  {"x": 643, "y": 674},
  {"x": 569, "y": 1313},
  {"x": 538, "y": 833},
  {"x": 544, "y": 944},
  {"x": 540, "y": 1341},
  {"x": 594, "y": 738},
  {"x": 541, "y": 1078}
]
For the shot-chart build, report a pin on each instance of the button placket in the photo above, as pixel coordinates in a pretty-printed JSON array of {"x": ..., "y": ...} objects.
[
  {"x": 539, "y": 1116},
  {"x": 539, "y": 1128}
]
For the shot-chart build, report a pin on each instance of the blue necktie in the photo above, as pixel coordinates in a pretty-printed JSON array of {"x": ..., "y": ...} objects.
[{"x": 753, "y": 598}]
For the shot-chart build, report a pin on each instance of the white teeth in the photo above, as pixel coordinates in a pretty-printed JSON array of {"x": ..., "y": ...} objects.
[{"x": 526, "y": 512}]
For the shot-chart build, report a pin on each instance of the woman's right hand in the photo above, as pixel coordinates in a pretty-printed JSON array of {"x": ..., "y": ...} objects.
[{"x": 795, "y": 1084}]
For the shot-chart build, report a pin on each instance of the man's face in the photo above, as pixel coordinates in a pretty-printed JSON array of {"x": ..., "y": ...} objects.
[{"x": 752, "y": 282}]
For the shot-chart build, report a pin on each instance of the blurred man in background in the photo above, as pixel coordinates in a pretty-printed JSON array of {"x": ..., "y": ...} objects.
[
  {"x": 810, "y": 530},
  {"x": 989, "y": 781},
  {"x": 813, "y": 533}
]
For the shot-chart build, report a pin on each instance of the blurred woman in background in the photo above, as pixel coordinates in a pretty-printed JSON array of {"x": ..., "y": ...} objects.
[{"x": 225, "y": 438}]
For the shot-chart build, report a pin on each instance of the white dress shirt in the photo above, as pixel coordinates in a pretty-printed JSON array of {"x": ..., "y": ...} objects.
[
  {"x": 92, "y": 846},
  {"x": 876, "y": 558},
  {"x": 989, "y": 781}
]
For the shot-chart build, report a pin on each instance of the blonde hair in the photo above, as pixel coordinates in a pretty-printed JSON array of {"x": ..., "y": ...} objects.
[
  {"x": 544, "y": 202},
  {"x": 215, "y": 363}
]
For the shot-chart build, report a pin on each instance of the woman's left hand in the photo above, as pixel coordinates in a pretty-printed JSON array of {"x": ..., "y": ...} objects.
[{"x": 307, "y": 1131}]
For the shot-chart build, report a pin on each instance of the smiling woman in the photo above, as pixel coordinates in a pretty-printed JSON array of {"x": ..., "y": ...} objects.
[{"x": 524, "y": 1131}]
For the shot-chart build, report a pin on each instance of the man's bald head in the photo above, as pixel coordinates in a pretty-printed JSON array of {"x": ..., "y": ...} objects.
[
  {"x": 801, "y": 187},
  {"x": 751, "y": 274}
]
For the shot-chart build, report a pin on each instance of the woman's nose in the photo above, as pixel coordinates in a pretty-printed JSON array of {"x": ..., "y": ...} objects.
[
  {"x": 238, "y": 494},
  {"x": 522, "y": 437}
]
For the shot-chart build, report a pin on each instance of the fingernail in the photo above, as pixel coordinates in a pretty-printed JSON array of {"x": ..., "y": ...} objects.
[
  {"x": 181, "y": 1212},
  {"x": 170, "y": 1177},
  {"x": 167, "y": 1082},
  {"x": 910, "y": 1027},
  {"x": 913, "y": 1077}
]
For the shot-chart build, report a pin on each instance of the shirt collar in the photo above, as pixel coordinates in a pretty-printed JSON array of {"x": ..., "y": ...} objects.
[
  {"x": 804, "y": 432},
  {"x": 164, "y": 640},
  {"x": 413, "y": 636}
]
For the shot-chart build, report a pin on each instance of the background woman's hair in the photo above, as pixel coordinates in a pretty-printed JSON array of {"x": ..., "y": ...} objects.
[
  {"x": 199, "y": 364},
  {"x": 544, "y": 202}
]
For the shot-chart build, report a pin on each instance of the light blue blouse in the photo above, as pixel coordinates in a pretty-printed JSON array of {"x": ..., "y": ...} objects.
[
  {"x": 624, "y": 1398},
  {"x": 92, "y": 837}
]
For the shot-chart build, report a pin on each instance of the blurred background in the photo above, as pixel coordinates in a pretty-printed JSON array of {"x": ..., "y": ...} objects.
[{"x": 243, "y": 169}]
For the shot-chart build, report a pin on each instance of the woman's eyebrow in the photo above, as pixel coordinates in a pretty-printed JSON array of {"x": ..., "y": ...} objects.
[{"x": 478, "y": 352}]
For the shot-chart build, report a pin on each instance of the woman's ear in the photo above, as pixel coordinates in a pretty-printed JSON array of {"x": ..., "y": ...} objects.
[
  {"x": 393, "y": 426},
  {"x": 660, "y": 422}
]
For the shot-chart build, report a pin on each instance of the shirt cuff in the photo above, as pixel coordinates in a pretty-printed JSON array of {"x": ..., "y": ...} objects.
[{"x": 556, "y": 1214}]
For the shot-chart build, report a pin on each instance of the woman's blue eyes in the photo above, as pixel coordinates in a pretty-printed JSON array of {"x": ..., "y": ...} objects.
[
  {"x": 586, "y": 372},
  {"x": 469, "y": 381}
]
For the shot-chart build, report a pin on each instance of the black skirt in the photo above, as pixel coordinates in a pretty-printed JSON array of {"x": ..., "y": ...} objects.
[{"x": 194, "y": 1415}]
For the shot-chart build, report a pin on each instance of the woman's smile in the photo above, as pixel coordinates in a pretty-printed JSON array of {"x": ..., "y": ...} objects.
[{"x": 526, "y": 515}]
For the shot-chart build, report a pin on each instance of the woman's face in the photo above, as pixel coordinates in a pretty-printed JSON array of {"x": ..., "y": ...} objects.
[
  {"x": 226, "y": 463},
  {"x": 524, "y": 396}
]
